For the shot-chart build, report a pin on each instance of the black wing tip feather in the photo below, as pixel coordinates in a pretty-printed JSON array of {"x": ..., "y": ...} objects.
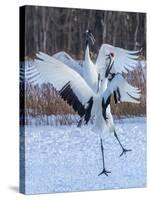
[
  {"x": 68, "y": 95},
  {"x": 117, "y": 98},
  {"x": 137, "y": 99},
  {"x": 118, "y": 94},
  {"x": 104, "y": 106},
  {"x": 88, "y": 110}
]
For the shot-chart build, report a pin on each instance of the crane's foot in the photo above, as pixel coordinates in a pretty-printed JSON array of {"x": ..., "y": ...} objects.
[
  {"x": 124, "y": 151},
  {"x": 104, "y": 171}
]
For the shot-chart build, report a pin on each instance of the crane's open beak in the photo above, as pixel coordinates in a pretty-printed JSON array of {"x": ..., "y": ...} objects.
[{"x": 91, "y": 37}]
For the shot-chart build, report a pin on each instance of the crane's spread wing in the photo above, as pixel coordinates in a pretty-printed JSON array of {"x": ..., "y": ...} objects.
[
  {"x": 70, "y": 85},
  {"x": 122, "y": 91},
  {"x": 29, "y": 73},
  {"x": 27, "y": 68},
  {"x": 69, "y": 61},
  {"x": 124, "y": 60}
]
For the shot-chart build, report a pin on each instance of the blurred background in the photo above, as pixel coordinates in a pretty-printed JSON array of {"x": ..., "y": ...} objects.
[
  {"x": 51, "y": 30},
  {"x": 54, "y": 29}
]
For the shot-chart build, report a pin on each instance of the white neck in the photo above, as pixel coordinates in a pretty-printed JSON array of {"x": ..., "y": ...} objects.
[
  {"x": 87, "y": 53},
  {"x": 103, "y": 85}
]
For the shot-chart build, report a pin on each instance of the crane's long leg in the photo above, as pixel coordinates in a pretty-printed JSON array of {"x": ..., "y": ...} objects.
[
  {"x": 123, "y": 149},
  {"x": 79, "y": 123},
  {"x": 104, "y": 171}
]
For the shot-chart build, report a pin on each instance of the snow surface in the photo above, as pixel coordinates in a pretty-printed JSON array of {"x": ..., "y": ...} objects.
[{"x": 67, "y": 158}]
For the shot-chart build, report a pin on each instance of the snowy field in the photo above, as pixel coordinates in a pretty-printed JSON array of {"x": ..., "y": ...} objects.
[{"x": 67, "y": 158}]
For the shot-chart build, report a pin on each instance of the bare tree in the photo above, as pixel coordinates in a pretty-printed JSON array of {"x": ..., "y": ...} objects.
[{"x": 53, "y": 29}]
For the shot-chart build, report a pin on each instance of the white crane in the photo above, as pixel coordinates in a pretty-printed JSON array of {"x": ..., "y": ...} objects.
[
  {"x": 123, "y": 61},
  {"x": 120, "y": 60},
  {"x": 85, "y": 101}
]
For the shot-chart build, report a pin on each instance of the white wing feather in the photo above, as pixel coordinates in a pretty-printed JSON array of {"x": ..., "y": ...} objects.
[
  {"x": 29, "y": 73},
  {"x": 124, "y": 60},
  {"x": 59, "y": 74},
  {"x": 69, "y": 61},
  {"x": 127, "y": 92}
]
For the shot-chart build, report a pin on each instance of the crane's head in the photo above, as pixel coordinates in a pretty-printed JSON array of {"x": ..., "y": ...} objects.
[{"x": 89, "y": 37}]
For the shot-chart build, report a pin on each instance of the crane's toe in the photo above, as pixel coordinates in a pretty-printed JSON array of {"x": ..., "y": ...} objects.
[
  {"x": 124, "y": 151},
  {"x": 104, "y": 171}
]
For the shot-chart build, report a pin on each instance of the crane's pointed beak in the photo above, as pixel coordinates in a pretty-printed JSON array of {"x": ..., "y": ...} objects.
[{"x": 92, "y": 38}]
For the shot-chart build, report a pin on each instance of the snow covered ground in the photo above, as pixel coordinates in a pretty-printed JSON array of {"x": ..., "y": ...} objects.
[{"x": 67, "y": 158}]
